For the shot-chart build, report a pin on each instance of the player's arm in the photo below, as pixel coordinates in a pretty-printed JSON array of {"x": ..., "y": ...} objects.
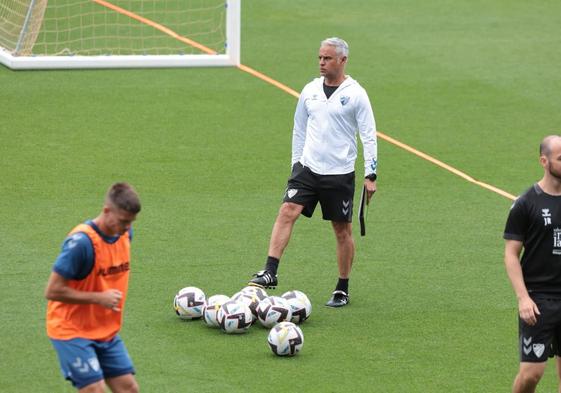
[
  {"x": 59, "y": 290},
  {"x": 75, "y": 262},
  {"x": 299, "y": 130},
  {"x": 526, "y": 307},
  {"x": 367, "y": 130}
]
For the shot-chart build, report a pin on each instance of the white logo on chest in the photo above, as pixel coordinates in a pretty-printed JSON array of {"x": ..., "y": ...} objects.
[{"x": 546, "y": 217}]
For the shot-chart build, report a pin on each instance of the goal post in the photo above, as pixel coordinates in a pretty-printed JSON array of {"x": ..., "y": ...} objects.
[{"x": 59, "y": 34}]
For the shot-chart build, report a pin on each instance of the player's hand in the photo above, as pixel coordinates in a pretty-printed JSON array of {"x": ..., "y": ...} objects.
[
  {"x": 370, "y": 189},
  {"x": 110, "y": 299},
  {"x": 528, "y": 311}
]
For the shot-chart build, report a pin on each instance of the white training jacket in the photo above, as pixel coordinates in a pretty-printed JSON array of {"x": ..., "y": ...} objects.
[{"x": 324, "y": 134}]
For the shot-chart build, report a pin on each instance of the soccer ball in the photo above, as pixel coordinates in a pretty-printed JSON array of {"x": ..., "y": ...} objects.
[
  {"x": 272, "y": 310},
  {"x": 234, "y": 317},
  {"x": 217, "y": 299},
  {"x": 255, "y": 291},
  {"x": 189, "y": 303},
  {"x": 250, "y": 299},
  {"x": 300, "y": 305},
  {"x": 286, "y": 339},
  {"x": 210, "y": 310}
]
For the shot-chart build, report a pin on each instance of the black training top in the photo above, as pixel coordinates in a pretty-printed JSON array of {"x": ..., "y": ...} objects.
[{"x": 535, "y": 220}]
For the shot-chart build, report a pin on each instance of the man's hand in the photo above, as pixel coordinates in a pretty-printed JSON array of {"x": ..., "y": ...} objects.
[
  {"x": 528, "y": 310},
  {"x": 110, "y": 299},
  {"x": 370, "y": 189}
]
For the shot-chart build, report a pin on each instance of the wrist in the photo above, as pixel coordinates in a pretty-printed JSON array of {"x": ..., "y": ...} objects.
[
  {"x": 371, "y": 177},
  {"x": 522, "y": 296},
  {"x": 96, "y": 298}
]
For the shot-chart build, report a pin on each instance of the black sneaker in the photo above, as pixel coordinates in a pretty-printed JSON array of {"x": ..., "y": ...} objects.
[
  {"x": 339, "y": 299},
  {"x": 264, "y": 279}
]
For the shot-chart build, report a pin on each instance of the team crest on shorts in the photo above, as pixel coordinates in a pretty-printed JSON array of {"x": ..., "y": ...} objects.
[
  {"x": 291, "y": 192},
  {"x": 538, "y": 349},
  {"x": 94, "y": 363}
]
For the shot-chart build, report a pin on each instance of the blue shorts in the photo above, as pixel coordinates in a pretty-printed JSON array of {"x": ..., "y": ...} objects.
[{"x": 84, "y": 362}]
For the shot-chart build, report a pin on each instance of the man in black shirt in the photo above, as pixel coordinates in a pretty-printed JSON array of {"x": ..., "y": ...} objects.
[{"x": 534, "y": 223}]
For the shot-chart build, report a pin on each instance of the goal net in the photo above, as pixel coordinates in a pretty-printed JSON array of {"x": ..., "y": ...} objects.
[{"x": 119, "y": 33}]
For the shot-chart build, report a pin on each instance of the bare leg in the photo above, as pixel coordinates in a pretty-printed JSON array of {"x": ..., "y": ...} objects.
[
  {"x": 528, "y": 377},
  {"x": 282, "y": 229},
  {"x": 97, "y": 387},
  {"x": 345, "y": 247},
  {"x": 123, "y": 384}
]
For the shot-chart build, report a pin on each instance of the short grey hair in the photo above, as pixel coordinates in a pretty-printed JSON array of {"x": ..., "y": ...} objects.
[{"x": 341, "y": 47}]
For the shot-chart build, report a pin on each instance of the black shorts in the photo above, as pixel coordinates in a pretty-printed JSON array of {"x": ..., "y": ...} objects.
[
  {"x": 542, "y": 340},
  {"x": 334, "y": 193}
]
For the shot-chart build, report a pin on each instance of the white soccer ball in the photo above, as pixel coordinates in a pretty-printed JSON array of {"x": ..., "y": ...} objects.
[
  {"x": 272, "y": 310},
  {"x": 217, "y": 299},
  {"x": 210, "y": 313},
  {"x": 300, "y": 305},
  {"x": 250, "y": 299},
  {"x": 189, "y": 303},
  {"x": 210, "y": 310},
  {"x": 234, "y": 317},
  {"x": 286, "y": 339},
  {"x": 255, "y": 291}
]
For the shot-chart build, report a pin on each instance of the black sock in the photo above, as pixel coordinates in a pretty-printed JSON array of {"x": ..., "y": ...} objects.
[
  {"x": 343, "y": 285},
  {"x": 272, "y": 265}
]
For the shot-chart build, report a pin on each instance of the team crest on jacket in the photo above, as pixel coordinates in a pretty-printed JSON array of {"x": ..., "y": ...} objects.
[{"x": 344, "y": 100}]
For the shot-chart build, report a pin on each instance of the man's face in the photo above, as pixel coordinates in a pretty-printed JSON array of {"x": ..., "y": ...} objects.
[
  {"x": 331, "y": 66},
  {"x": 117, "y": 221},
  {"x": 554, "y": 166}
]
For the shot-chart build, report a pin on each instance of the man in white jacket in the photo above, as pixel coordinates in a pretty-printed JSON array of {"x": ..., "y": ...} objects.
[{"x": 330, "y": 111}]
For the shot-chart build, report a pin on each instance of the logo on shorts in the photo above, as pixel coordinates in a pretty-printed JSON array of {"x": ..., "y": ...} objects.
[
  {"x": 538, "y": 349},
  {"x": 528, "y": 347},
  {"x": 80, "y": 366},
  {"x": 291, "y": 192},
  {"x": 94, "y": 363},
  {"x": 346, "y": 207}
]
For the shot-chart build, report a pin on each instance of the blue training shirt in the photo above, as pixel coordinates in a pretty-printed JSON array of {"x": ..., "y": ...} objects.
[{"x": 76, "y": 258}]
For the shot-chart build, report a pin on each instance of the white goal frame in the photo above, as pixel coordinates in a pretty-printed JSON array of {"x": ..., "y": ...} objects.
[{"x": 230, "y": 58}]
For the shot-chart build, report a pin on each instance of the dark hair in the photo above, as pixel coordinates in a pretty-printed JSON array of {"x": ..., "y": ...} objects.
[{"x": 123, "y": 196}]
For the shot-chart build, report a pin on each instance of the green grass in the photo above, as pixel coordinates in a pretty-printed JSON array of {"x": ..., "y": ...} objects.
[{"x": 472, "y": 83}]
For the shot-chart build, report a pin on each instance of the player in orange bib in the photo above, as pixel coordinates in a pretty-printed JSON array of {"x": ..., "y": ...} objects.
[{"x": 87, "y": 289}]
